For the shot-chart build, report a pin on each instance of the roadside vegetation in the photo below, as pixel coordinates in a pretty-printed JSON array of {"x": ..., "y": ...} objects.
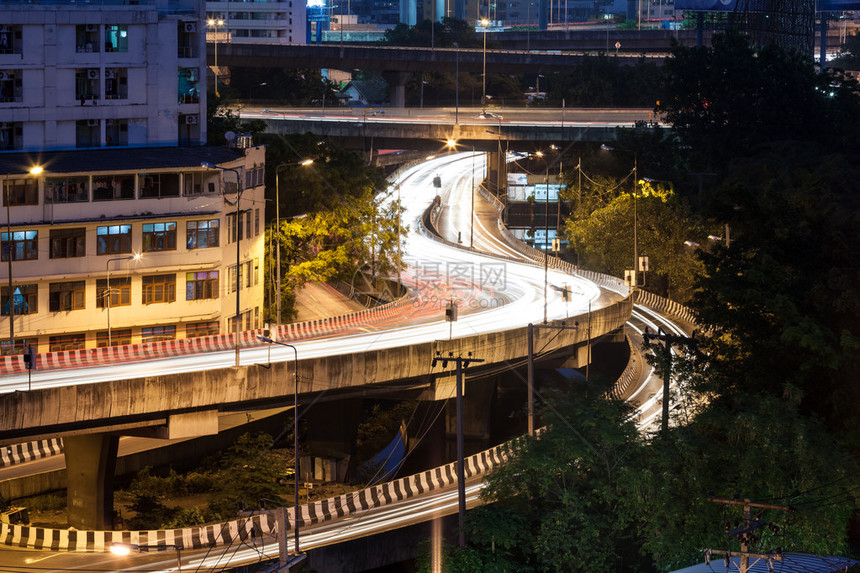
[{"x": 764, "y": 153}]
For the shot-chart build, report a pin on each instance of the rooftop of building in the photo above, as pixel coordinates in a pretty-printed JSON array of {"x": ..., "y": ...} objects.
[{"x": 115, "y": 159}]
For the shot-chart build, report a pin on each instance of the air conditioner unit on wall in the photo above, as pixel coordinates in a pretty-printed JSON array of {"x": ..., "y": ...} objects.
[
  {"x": 190, "y": 120},
  {"x": 109, "y": 74},
  {"x": 190, "y": 26},
  {"x": 92, "y": 27},
  {"x": 93, "y": 74},
  {"x": 92, "y": 123}
]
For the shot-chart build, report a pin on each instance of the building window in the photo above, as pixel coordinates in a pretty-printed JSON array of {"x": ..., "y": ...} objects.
[
  {"x": 87, "y": 84},
  {"x": 157, "y": 333},
  {"x": 112, "y": 188},
  {"x": 159, "y": 185},
  {"x": 87, "y": 133},
  {"x": 24, "y": 245},
  {"x": 256, "y": 222},
  {"x": 118, "y": 337},
  {"x": 194, "y": 183},
  {"x": 11, "y": 135},
  {"x": 248, "y": 227},
  {"x": 120, "y": 292},
  {"x": 26, "y": 299},
  {"x": 159, "y": 288},
  {"x": 68, "y": 243},
  {"x": 67, "y": 342},
  {"x": 10, "y": 39},
  {"x": 116, "y": 83},
  {"x": 116, "y": 38},
  {"x": 198, "y": 329},
  {"x": 189, "y": 91},
  {"x": 87, "y": 37},
  {"x": 21, "y": 191},
  {"x": 202, "y": 234},
  {"x": 113, "y": 239},
  {"x": 159, "y": 237},
  {"x": 256, "y": 271},
  {"x": 11, "y": 86},
  {"x": 67, "y": 296},
  {"x": 201, "y": 285},
  {"x": 116, "y": 132},
  {"x": 67, "y": 189}
]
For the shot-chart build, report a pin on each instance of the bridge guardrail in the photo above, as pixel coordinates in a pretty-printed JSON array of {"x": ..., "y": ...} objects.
[
  {"x": 263, "y": 525},
  {"x": 90, "y": 357}
]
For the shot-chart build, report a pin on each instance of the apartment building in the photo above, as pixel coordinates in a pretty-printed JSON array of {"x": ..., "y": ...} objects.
[
  {"x": 109, "y": 247},
  {"x": 113, "y": 231},
  {"x": 259, "y": 21},
  {"x": 102, "y": 74}
]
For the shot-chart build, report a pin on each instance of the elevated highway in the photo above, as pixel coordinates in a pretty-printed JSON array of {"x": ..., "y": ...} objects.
[
  {"x": 183, "y": 395},
  {"x": 411, "y": 499},
  {"x": 428, "y": 129}
]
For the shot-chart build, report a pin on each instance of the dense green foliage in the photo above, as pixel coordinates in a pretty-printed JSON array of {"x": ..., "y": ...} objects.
[
  {"x": 770, "y": 404},
  {"x": 243, "y": 475},
  {"x": 332, "y": 225}
]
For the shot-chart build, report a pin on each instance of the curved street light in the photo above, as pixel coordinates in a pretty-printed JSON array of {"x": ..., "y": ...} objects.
[
  {"x": 238, "y": 285},
  {"x": 303, "y": 163},
  {"x": 10, "y": 253}
]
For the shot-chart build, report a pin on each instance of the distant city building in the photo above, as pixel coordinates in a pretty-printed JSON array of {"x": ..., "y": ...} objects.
[
  {"x": 259, "y": 22},
  {"x": 123, "y": 236}
]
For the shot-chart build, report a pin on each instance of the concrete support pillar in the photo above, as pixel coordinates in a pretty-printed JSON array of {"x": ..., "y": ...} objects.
[
  {"x": 90, "y": 462},
  {"x": 497, "y": 173},
  {"x": 397, "y": 81},
  {"x": 329, "y": 438}
]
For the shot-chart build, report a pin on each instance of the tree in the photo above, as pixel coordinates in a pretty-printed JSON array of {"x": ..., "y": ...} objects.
[
  {"x": 332, "y": 223},
  {"x": 247, "y": 473},
  {"x": 782, "y": 297},
  {"x": 602, "y": 232},
  {"x": 561, "y": 501},
  {"x": 724, "y": 102}
]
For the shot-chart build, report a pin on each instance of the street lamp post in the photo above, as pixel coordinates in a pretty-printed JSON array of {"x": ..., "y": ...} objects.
[
  {"x": 7, "y": 197},
  {"x": 306, "y": 162},
  {"x": 484, "y": 23},
  {"x": 238, "y": 285},
  {"x": 295, "y": 437},
  {"x": 457, "y": 84},
  {"x": 215, "y": 23},
  {"x": 635, "y": 275},
  {"x": 108, "y": 294}
]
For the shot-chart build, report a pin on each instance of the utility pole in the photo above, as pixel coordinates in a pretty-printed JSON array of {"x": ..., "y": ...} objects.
[
  {"x": 530, "y": 384},
  {"x": 670, "y": 340},
  {"x": 462, "y": 364},
  {"x": 745, "y": 533}
]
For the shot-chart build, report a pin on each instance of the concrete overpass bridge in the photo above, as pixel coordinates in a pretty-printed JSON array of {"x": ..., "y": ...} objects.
[
  {"x": 183, "y": 396},
  {"x": 399, "y": 63}
]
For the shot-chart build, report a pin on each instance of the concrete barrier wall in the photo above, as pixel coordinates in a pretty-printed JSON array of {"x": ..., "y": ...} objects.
[
  {"x": 20, "y": 453},
  {"x": 262, "y": 525}
]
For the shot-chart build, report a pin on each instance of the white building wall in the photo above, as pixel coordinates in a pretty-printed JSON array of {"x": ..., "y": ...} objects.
[
  {"x": 261, "y": 22},
  {"x": 51, "y": 53}
]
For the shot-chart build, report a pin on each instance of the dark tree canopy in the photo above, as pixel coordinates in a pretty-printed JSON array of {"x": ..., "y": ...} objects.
[{"x": 726, "y": 101}]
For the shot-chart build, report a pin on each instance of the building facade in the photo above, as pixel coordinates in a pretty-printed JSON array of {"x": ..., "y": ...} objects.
[
  {"x": 116, "y": 250},
  {"x": 258, "y": 22},
  {"x": 124, "y": 236},
  {"x": 94, "y": 75}
]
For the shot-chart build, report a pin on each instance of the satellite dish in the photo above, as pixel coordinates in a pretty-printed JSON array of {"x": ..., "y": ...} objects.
[{"x": 229, "y": 136}]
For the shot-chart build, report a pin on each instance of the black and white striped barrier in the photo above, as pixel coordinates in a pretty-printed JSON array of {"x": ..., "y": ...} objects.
[{"x": 20, "y": 453}]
